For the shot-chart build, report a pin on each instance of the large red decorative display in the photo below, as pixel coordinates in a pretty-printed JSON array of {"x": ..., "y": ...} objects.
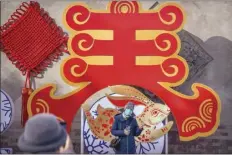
[{"x": 126, "y": 45}]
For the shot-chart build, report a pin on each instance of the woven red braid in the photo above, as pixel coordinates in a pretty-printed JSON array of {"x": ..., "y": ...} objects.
[{"x": 31, "y": 39}]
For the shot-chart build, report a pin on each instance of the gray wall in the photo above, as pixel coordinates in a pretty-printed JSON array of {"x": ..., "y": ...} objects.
[{"x": 209, "y": 22}]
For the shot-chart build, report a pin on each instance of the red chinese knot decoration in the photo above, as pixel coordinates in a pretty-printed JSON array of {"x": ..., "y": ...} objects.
[
  {"x": 31, "y": 40},
  {"x": 127, "y": 45}
]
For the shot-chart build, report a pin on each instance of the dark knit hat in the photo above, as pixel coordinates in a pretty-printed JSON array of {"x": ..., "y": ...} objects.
[
  {"x": 130, "y": 105},
  {"x": 42, "y": 133}
]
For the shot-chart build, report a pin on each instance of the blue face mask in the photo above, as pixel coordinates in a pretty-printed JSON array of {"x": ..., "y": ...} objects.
[{"x": 128, "y": 112}]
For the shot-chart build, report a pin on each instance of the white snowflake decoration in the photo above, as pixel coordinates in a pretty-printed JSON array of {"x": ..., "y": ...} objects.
[{"x": 7, "y": 107}]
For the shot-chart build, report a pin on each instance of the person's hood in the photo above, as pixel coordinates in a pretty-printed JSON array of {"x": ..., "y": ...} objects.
[{"x": 121, "y": 118}]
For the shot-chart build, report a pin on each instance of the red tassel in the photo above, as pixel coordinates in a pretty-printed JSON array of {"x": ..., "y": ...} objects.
[{"x": 25, "y": 96}]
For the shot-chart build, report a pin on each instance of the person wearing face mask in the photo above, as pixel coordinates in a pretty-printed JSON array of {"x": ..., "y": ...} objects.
[{"x": 126, "y": 127}]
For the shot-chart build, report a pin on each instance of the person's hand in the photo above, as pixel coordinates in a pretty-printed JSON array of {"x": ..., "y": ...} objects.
[
  {"x": 142, "y": 125},
  {"x": 126, "y": 132}
]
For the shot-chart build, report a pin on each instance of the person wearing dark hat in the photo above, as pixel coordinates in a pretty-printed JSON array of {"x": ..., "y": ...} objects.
[
  {"x": 125, "y": 127},
  {"x": 44, "y": 134}
]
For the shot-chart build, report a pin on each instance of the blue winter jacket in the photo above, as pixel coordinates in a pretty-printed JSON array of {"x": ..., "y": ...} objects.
[{"x": 127, "y": 143}]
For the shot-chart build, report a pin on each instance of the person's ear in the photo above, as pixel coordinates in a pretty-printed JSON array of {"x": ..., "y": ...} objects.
[{"x": 66, "y": 146}]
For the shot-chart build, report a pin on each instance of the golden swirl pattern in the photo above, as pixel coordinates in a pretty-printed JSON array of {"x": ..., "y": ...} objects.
[
  {"x": 192, "y": 123},
  {"x": 167, "y": 44},
  {"x": 206, "y": 110},
  {"x": 173, "y": 69},
  {"x": 82, "y": 42},
  {"x": 124, "y": 7},
  {"x": 75, "y": 71},
  {"x": 77, "y": 18},
  {"x": 172, "y": 73},
  {"x": 170, "y": 68},
  {"x": 42, "y": 106},
  {"x": 166, "y": 16},
  {"x": 77, "y": 68}
]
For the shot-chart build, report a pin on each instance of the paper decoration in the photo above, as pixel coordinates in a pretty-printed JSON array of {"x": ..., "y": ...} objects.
[
  {"x": 126, "y": 45},
  {"x": 7, "y": 111},
  {"x": 150, "y": 114},
  {"x": 98, "y": 145}
]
